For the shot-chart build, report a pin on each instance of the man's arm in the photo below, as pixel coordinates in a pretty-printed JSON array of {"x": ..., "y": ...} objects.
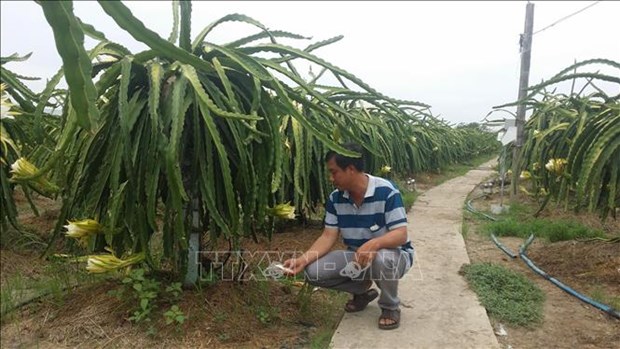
[
  {"x": 319, "y": 248},
  {"x": 392, "y": 239},
  {"x": 396, "y": 222}
]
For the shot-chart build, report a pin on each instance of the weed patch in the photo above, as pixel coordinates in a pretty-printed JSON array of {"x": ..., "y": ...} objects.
[
  {"x": 507, "y": 295},
  {"x": 548, "y": 230},
  {"x": 599, "y": 295}
]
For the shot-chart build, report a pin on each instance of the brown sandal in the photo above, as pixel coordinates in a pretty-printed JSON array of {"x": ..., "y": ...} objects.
[
  {"x": 388, "y": 314},
  {"x": 360, "y": 301}
]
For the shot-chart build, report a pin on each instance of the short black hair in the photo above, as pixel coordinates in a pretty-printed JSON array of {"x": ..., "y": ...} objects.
[{"x": 344, "y": 161}]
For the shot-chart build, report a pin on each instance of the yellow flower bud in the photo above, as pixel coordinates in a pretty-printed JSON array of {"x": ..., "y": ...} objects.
[
  {"x": 5, "y": 105},
  {"x": 22, "y": 171},
  {"x": 83, "y": 228},
  {"x": 556, "y": 166},
  {"x": 385, "y": 169},
  {"x": 104, "y": 263},
  {"x": 284, "y": 211}
]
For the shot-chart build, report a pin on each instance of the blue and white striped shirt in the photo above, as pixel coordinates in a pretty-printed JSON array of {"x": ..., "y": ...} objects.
[{"x": 381, "y": 211}]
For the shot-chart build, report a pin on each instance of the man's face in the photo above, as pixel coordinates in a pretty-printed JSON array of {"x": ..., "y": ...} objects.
[{"x": 340, "y": 178}]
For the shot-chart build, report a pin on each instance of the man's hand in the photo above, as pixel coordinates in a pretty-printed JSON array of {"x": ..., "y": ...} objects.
[
  {"x": 295, "y": 264},
  {"x": 366, "y": 253},
  {"x": 319, "y": 248}
]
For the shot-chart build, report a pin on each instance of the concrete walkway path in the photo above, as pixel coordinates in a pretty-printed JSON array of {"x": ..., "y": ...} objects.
[{"x": 438, "y": 310}]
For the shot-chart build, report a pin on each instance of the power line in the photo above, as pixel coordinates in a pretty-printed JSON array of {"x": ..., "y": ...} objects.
[
  {"x": 552, "y": 24},
  {"x": 565, "y": 17}
]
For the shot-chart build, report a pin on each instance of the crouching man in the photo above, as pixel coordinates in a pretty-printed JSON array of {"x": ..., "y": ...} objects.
[{"x": 368, "y": 211}]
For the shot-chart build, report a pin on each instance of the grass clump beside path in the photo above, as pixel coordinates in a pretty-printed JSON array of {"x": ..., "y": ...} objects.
[
  {"x": 549, "y": 230},
  {"x": 519, "y": 222},
  {"x": 507, "y": 295}
]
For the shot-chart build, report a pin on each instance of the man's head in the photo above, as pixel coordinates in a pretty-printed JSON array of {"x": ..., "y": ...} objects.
[{"x": 343, "y": 169}]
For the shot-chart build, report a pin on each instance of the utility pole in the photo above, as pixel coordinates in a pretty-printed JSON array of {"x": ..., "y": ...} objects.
[{"x": 526, "y": 50}]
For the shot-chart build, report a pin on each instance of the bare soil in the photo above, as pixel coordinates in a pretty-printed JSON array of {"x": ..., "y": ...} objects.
[
  {"x": 252, "y": 314},
  {"x": 584, "y": 266}
]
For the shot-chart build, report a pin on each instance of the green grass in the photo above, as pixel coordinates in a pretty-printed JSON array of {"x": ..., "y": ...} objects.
[
  {"x": 55, "y": 281},
  {"x": 18, "y": 291},
  {"x": 518, "y": 221},
  {"x": 465, "y": 229},
  {"x": 602, "y": 297},
  {"x": 409, "y": 198},
  {"x": 518, "y": 210},
  {"x": 322, "y": 338},
  {"x": 507, "y": 295},
  {"x": 327, "y": 315},
  {"x": 27, "y": 239},
  {"x": 460, "y": 169},
  {"x": 546, "y": 229}
]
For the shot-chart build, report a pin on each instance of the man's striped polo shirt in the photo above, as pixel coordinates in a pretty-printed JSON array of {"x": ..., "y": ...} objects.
[{"x": 381, "y": 211}]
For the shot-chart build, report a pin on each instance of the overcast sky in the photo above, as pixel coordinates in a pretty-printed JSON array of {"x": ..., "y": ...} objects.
[{"x": 462, "y": 58}]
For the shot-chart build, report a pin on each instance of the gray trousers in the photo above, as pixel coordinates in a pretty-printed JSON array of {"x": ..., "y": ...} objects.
[{"x": 334, "y": 271}]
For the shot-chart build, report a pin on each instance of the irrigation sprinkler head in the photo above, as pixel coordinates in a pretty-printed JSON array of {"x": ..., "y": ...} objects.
[
  {"x": 411, "y": 184},
  {"x": 487, "y": 188}
]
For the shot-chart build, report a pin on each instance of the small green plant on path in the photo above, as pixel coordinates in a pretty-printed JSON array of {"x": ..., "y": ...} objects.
[{"x": 507, "y": 295}]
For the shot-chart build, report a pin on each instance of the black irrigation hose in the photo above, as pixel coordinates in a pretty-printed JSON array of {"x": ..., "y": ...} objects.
[
  {"x": 471, "y": 209},
  {"x": 502, "y": 247},
  {"x": 606, "y": 308}
]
